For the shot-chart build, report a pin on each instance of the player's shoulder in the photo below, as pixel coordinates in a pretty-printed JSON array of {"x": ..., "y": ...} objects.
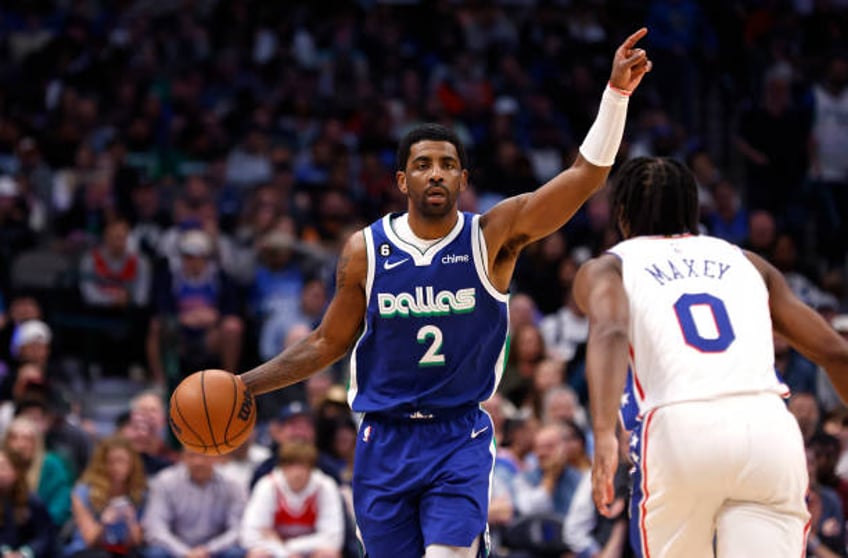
[{"x": 355, "y": 244}]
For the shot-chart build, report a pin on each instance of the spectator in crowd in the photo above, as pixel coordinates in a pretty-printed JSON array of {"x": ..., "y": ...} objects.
[
  {"x": 90, "y": 210},
  {"x": 204, "y": 303},
  {"x": 46, "y": 474},
  {"x": 828, "y": 398},
  {"x": 772, "y": 139},
  {"x": 148, "y": 219},
  {"x": 805, "y": 409},
  {"x": 527, "y": 350},
  {"x": 277, "y": 286},
  {"x": 762, "y": 233},
  {"x": 112, "y": 275},
  {"x": 149, "y": 407},
  {"x": 826, "y": 449},
  {"x": 29, "y": 382},
  {"x": 826, "y": 538},
  {"x": 269, "y": 404},
  {"x": 336, "y": 448},
  {"x": 293, "y": 423},
  {"x": 16, "y": 235},
  {"x": 108, "y": 503},
  {"x": 115, "y": 285},
  {"x": 310, "y": 308},
  {"x": 728, "y": 219},
  {"x": 240, "y": 463},
  {"x": 21, "y": 306},
  {"x": 581, "y": 519},
  {"x": 31, "y": 343},
  {"x": 142, "y": 436},
  {"x": 549, "y": 374},
  {"x": 522, "y": 311},
  {"x": 193, "y": 510},
  {"x": 294, "y": 510},
  {"x": 561, "y": 404},
  {"x": 62, "y": 437},
  {"x": 26, "y": 529},
  {"x": 550, "y": 486},
  {"x": 329, "y": 410},
  {"x": 565, "y": 330},
  {"x": 828, "y": 167},
  {"x": 798, "y": 373},
  {"x": 538, "y": 269}
]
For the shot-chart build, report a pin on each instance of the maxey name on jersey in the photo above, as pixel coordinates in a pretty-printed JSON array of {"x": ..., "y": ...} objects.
[{"x": 686, "y": 268}]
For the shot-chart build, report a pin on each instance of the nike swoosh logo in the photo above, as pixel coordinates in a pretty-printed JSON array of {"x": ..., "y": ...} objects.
[
  {"x": 387, "y": 265},
  {"x": 475, "y": 433}
]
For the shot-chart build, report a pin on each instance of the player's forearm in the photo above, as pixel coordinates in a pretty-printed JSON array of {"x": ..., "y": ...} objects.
[
  {"x": 552, "y": 205},
  {"x": 606, "y": 372},
  {"x": 293, "y": 365}
]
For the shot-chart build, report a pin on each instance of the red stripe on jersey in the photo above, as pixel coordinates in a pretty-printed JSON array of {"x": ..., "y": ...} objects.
[
  {"x": 636, "y": 382},
  {"x": 643, "y": 505}
]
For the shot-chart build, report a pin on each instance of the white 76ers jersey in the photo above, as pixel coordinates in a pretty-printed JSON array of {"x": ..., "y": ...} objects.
[{"x": 700, "y": 326}]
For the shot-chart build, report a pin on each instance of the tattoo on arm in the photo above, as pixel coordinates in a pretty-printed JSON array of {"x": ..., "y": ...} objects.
[
  {"x": 341, "y": 271},
  {"x": 289, "y": 367}
]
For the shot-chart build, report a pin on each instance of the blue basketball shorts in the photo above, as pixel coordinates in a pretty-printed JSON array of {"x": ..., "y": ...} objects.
[{"x": 422, "y": 481}]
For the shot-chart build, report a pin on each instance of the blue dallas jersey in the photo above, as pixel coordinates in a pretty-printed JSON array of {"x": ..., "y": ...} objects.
[{"x": 435, "y": 326}]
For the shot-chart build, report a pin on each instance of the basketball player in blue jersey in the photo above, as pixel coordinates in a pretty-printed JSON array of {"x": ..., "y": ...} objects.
[
  {"x": 425, "y": 293},
  {"x": 689, "y": 318}
]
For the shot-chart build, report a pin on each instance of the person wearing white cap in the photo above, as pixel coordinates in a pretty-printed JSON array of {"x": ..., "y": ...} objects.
[
  {"x": 205, "y": 304},
  {"x": 31, "y": 342}
]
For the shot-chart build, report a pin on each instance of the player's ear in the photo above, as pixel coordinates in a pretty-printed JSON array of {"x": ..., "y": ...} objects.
[
  {"x": 621, "y": 222},
  {"x": 463, "y": 180},
  {"x": 400, "y": 178}
]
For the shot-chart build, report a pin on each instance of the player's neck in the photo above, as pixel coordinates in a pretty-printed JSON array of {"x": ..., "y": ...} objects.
[{"x": 431, "y": 228}]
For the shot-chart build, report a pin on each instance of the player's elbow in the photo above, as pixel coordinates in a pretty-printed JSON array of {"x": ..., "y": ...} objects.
[
  {"x": 835, "y": 361},
  {"x": 612, "y": 334},
  {"x": 329, "y": 347}
]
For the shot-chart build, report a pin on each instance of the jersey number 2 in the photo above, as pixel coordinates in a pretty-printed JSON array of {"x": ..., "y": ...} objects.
[
  {"x": 431, "y": 357},
  {"x": 692, "y": 334}
]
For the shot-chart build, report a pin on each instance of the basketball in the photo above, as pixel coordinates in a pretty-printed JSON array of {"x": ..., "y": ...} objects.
[{"x": 212, "y": 412}]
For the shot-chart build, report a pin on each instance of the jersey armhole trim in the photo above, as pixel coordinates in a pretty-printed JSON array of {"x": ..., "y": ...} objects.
[
  {"x": 370, "y": 256},
  {"x": 616, "y": 254},
  {"x": 481, "y": 260}
]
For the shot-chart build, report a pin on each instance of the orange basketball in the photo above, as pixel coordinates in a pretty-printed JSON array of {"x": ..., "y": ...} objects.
[{"x": 212, "y": 412}]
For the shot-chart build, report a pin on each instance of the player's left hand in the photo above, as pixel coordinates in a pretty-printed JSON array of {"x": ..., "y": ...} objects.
[
  {"x": 630, "y": 63},
  {"x": 604, "y": 467}
]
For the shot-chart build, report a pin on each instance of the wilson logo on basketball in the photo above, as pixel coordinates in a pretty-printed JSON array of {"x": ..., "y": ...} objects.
[{"x": 246, "y": 406}]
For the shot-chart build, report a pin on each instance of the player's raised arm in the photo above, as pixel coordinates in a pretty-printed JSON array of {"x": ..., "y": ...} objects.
[
  {"x": 334, "y": 335},
  {"x": 522, "y": 219},
  {"x": 804, "y": 328},
  {"x": 599, "y": 292}
]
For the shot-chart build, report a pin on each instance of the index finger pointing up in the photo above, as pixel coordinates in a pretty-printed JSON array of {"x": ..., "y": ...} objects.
[{"x": 634, "y": 38}]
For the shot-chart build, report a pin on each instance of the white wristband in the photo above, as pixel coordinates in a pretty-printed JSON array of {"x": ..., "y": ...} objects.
[{"x": 601, "y": 143}]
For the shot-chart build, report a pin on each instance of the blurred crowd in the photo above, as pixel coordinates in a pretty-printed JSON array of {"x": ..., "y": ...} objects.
[{"x": 177, "y": 177}]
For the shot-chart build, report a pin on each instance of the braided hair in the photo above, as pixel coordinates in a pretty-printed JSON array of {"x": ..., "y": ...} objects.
[{"x": 655, "y": 196}]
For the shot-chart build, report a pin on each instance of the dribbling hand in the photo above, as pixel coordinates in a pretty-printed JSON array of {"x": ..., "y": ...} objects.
[
  {"x": 630, "y": 63},
  {"x": 604, "y": 466}
]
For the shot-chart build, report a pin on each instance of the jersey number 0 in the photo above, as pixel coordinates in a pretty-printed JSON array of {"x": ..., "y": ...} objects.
[{"x": 687, "y": 306}]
